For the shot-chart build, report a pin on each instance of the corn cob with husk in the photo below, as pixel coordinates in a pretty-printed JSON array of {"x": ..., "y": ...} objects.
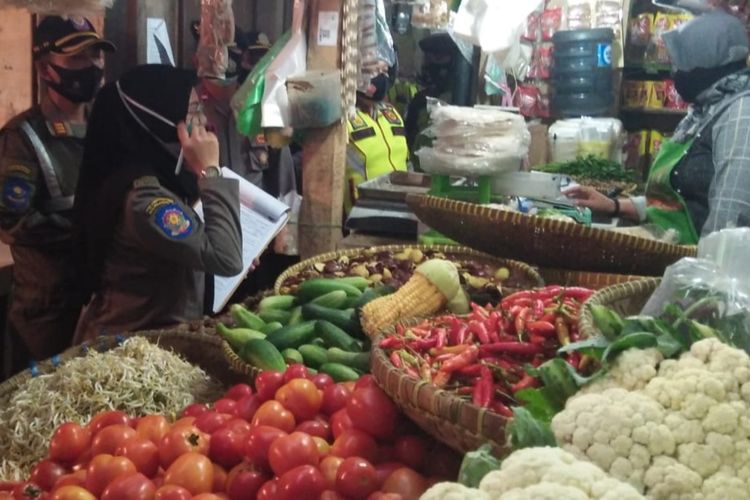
[{"x": 433, "y": 285}]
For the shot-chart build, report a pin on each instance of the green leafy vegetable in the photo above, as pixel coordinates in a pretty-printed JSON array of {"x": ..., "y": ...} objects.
[
  {"x": 526, "y": 431},
  {"x": 592, "y": 167},
  {"x": 477, "y": 464}
]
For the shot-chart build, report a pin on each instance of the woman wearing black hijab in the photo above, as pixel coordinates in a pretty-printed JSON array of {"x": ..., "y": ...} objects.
[{"x": 144, "y": 249}]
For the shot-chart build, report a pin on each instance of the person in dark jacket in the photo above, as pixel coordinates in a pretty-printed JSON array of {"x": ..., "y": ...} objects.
[
  {"x": 40, "y": 156},
  {"x": 145, "y": 249}
]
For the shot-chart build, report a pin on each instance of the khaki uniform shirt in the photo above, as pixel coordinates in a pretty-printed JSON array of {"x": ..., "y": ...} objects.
[
  {"x": 43, "y": 310},
  {"x": 154, "y": 274}
]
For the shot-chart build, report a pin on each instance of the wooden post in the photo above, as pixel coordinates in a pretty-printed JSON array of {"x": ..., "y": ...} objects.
[
  {"x": 15, "y": 64},
  {"x": 324, "y": 154}
]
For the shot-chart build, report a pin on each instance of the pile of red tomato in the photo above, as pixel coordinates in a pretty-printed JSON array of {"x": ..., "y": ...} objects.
[{"x": 297, "y": 436}]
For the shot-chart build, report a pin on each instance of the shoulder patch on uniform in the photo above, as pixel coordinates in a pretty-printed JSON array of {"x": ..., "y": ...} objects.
[
  {"x": 156, "y": 203},
  {"x": 146, "y": 181},
  {"x": 59, "y": 129},
  {"x": 391, "y": 115},
  {"x": 16, "y": 193},
  {"x": 357, "y": 122},
  {"x": 173, "y": 221}
]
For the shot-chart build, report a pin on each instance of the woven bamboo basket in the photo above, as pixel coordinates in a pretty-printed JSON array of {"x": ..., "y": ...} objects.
[
  {"x": 528, "y": 276},
  {"x": 451, "y": 420},
  {"x": 626, "y": 298},
  {"x": 595, "y": 281},
  {"x": 545, "y": 242},
  {"x": 200, "y": 349},
  {"x": 249, "y": 372}
]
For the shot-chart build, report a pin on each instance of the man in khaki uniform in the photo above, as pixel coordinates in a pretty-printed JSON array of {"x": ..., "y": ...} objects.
[{"x": 40, "y": 155}]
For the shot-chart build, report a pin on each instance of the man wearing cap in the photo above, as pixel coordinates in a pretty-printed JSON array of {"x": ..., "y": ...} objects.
[
  {"x": 40, "y": 155},
  {"x": 700, "y": 180},
  {"x": 435, "y": 77}
]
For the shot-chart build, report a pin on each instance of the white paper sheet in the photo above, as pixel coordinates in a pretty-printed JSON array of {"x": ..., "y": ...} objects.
[
  {"x": 262, "y": 217},
  {"x": 158, "y": 47}
]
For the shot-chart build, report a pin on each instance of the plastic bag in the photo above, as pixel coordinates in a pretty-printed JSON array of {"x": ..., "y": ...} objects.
[
  {"x": 431, "y": 14},
  {"x": 375, "y": 42},
  {"x": 700, "y": 300},
  {"x": 490, "y": 24},
  {"x": 292, "y": 60},
  {"x": 248, "y": 99},
  {"x": 314, "y": 99}
]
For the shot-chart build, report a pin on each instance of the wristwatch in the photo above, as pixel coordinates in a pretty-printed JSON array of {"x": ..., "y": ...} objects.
[{"x": 211, "y": 171}]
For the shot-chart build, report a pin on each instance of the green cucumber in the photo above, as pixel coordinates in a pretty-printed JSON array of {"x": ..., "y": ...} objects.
[
  {"x": 293, "y": 335},
  {"x": 272, "y": 327},
  {"x": 319, "y": 342},
  {"x": 345, "y": 319},
  {"x": 316, "y": 287},
  {"x": 292, "y": 356},
  {"x": 246, "y": 319},
  {"x": 296, "y": 317},
  {"x": 334, "y": 336},
  {"x": 275, "y": 315},
  {"x": 335, "y": 299},
  {"x": 371, "y": 294},
  {"x": 357, "y": 281},
  {"x": 262, "y": 354},
  {"x": 360, "y": 361},
  {"x": 314, "y": 356},
  {"x": 339, "y": 372},
  {"x": 280, "y": 302},
  {"x": 237, "y": 337}
]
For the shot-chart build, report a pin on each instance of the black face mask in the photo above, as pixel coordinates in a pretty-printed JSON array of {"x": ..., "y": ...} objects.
[
  {"x": 381, "y": 83},
  {"x": 77, "y": 85},
  {"x": 690, "y": 84}
]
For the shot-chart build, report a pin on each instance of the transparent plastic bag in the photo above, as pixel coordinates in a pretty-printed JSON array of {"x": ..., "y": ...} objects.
[
  {"x": 433, "y": 161},
  {"x": 217, "y": 32},
  {"x": 375, "y": 42},
  {"x": 431, "y": 14},
  {"x": 698, "y": 299}
]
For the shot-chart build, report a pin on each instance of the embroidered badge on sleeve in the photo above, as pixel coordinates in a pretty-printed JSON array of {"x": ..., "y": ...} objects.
[
  {"x": 173, "y": 221},
  {"x": 16, "y": 194}
]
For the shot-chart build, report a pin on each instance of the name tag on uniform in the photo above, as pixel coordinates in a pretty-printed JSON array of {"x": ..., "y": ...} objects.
[
  {"x": 358, "y": 135},
  {"x": 392, "y": 117}
]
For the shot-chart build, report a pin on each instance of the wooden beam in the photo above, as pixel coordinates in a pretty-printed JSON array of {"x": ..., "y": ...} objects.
[
  {"x": 15, "y": 63},
  {"x": 324, "y": 155}
]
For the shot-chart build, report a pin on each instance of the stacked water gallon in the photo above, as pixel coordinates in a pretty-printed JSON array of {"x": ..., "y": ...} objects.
[{"x": 582, "y": 73}]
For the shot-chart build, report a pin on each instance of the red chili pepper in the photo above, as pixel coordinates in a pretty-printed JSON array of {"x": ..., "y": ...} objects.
[
  {"x": 422, "y": 344},
  {"x": 443, "y": 357},
  {"x": 479, "y": 311},
  {"x": 484, "y": 388},
  {"x": 480, "y": 331},
  {"x": 537, "y": 340},
  {"x": 501, "y": 408},
  {"x": 464, "y": 390},
  {"x": 441, "y": 378},
  {"x": 541, "y": 328},
  {"x": 400, "y": 330},
  {"x": 425, "y": 371},
  {"x": 421, "y": 332},
  {"x": 391, "y": 343},
  {"x": 462, "y": 337},
  {"x": 411, "y": 372},
  {"x": 526, "y": 382},
  {"x": 466, "y": 358},
  {"x": 512, "y": 298},
  {"x": 454, "y": 349},
  {"x": 470, "y": 371},
  {"x": 538, "y": 308},
  {"x": 549, "y": 292},
  {"x": 396, "y": 359},
  {"x": 442, "y": 337},
  {"x": 579, "y": 293},
  {"x": 456, "y": 326},
  {"x": 511, "y": 348},
  {"x": 574, "y": 359},
  {"x": 519, "y": 323},
  {"x": 548, "y": 317}
]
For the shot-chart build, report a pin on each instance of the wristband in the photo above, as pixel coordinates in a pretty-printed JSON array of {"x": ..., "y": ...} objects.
[{"x": 616, "y": 211}]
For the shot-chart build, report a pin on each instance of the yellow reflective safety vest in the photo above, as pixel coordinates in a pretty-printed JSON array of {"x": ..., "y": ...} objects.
[{"x": 377, "y": 146}]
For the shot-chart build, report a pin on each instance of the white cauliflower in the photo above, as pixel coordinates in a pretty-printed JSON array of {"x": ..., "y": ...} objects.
[
  {"x": 681, "y": 433},
  {"x": 540, "y": 474}
]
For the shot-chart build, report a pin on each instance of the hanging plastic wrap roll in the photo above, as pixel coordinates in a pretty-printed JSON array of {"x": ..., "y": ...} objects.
[
  {"x": 350, "y": 59},
  {"x": 217, "y": 32},
  {"x": 474, "y": 141},
  {"x": 375, "y": 42},
  {"x": 491, "y": 24},
  {"x": 60, "y": 7}
]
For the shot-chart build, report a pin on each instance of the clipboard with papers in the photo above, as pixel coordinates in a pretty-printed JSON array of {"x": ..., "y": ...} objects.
[{"x": 262, "y": 217}]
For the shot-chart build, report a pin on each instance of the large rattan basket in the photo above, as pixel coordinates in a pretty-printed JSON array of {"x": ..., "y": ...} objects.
[
  {"x": 248, "y": 372},
  {"x": 528, "y": 276},
  {"x": 200, "y": 349},
  {"x": 454, "y": 421},
  {"x": 545, "y": 242},
  {"x": 626, "y": 298},
  {"x": 595, "y": 281}
]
